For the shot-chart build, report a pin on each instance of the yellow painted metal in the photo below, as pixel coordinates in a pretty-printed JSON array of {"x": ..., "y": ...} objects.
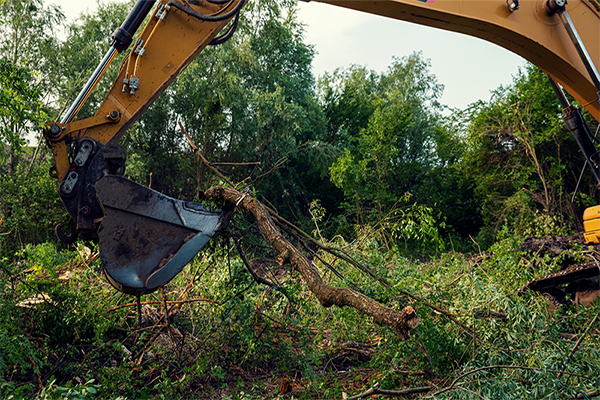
[
  {"x": 591, "y": 213},
  {"x": 170, "y": 45},
  {"x": 173, "y": 45},
  {"x": 591, "y": 225},
  {"x": 528, "y": 32},
  {"x": 592, "y": 237}
]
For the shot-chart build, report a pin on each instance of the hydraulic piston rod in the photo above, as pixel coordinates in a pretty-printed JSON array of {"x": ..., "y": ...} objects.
[
  {"x": 585, "y": 56},
  {"x": 121, "y": 40},
  {"x": 89, "y": 86},
  {"x": 576, "y": 124}
]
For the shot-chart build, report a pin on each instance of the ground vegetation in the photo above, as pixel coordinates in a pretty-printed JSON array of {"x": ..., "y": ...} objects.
[{"x": 380, "y": 246}]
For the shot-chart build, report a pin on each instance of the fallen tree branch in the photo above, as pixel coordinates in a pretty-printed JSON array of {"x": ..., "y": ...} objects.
[
  {"x": 336, "y": 252},
  {"x": 401, "y": 322},
  {"x": 340, "y": 253},
  {"x": 160, "y": 303},
  {"x": 375, "y": 390}
]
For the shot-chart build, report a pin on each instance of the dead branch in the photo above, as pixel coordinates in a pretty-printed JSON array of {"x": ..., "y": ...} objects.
[
  {"x": 587, "y": 395},
  {"x": 159, "y": 302},
  {"x": 204, "y": 160},
  {"x": 375, "y": 390},
  {"x": 399, "y": 321},
  {"x": 237, "y": 163},
  {"x": 259, "y": 279},
  {"x": 487, "y": 314}
]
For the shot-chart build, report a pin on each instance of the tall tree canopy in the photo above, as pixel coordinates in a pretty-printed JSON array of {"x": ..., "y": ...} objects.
[
  {"x": 524, "y": 161},
  {"x": 391, "y": 136}
]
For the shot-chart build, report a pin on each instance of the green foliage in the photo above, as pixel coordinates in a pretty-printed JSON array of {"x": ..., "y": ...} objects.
[
  {"x": 20, "y": 107},
  {"x": 417, "y": 223},
  {"x": 242, "y": 326},
  {"x": 29, "y": 208},
  {"x": 337, "y": 158},
  {"x": 77, "y": 392},
  {"x": 521, "y": 156}
]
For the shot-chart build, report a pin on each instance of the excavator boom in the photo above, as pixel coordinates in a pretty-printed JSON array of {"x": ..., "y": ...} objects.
[{"x": 534, "y": 31}]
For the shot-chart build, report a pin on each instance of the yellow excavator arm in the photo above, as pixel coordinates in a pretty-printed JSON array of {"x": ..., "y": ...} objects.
[
  {"x": 146, "y": 238},
  {"x": 535, "y": 31},
  {"x": 171, "y": 40}
]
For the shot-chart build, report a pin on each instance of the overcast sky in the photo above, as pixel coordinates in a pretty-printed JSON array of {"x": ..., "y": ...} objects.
[{"x": 468, "y": 67}]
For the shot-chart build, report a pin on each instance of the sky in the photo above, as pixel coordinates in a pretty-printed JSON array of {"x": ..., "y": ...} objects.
[{"x": 468, "y": 67}]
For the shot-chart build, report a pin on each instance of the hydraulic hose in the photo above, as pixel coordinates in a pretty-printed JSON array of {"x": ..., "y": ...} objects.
[
  {"x": 210, "y": 18},
  {"x": 223, "y": 38}
]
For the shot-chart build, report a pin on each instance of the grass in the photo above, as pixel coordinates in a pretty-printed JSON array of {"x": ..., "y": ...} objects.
[{"x": 66, "y": 334}]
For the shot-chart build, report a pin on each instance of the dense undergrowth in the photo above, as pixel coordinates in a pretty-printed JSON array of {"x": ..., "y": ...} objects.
[{"x": 66, "y": 334}]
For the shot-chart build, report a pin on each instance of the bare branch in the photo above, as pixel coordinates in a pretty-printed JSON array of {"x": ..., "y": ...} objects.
[
  {"x": 375, "y": 390},
  {"x": 204, "y": 160},
  {"x": 236, "y": 164},
  {"x": 160, "y": 302}
]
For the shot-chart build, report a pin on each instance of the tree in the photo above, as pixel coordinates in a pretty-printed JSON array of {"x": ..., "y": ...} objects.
[
  {"x": 27, "y": 48},
  {"x": 29, "y": 206},
  {"x": 388, "y": 156},
  {"x": 27, "y": 36},
  {"x": 523, "y": 159},
  {"x": 20, "y": 110},
  {"x": 348, "y": 97}
]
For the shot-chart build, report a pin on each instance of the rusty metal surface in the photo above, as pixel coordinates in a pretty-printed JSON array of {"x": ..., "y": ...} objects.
[
  {"x": 146, "y": 238},
  {"x": 575, "y": 284},
  {"x": 572, "y": 274}
]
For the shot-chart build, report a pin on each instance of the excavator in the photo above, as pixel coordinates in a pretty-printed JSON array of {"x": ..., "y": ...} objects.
[{"x": 146, "y": 238}]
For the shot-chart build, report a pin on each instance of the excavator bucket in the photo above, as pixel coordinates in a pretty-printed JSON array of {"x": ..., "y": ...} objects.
[{"x": 146, "y": 238}]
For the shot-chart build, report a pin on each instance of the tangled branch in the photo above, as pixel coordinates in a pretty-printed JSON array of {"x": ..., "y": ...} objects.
[{"x": 401, "y": 322}]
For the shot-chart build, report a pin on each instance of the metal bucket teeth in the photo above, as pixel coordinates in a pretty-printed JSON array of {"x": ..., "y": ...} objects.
[{"x": 146, "y": 238}]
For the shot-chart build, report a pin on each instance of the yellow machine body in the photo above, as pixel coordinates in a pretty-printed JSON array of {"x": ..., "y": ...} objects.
[{"x": 591, "y": 225}]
